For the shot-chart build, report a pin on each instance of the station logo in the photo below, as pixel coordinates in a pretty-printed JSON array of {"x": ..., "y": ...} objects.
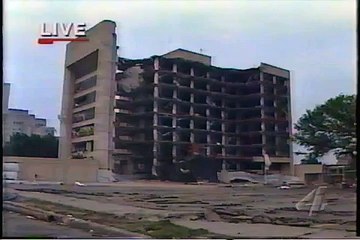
[{"x": 62, "y": 32}]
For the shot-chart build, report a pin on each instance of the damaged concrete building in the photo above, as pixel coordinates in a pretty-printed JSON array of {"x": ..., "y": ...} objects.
[{"x": 172, "y": 116}]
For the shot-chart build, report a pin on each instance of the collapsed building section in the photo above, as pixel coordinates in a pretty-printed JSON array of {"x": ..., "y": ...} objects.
[{"x": 177, "y": 115}]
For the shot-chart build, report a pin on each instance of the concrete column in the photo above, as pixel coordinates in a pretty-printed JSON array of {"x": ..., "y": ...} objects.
[
  {"x": 155, "y": 162},
  {"x": 223, "y": 130},
  {"x": 262, "y": 103},
  {"x": 156, "y": 64},
  {"x": 223, "y": 153},
  {"x": 223, "y": 166},
  {"x": 208, "y": 140},
  {"x": 275, "y": 114},
  {"x": 192, "y": 136},
  {"x": 155, "y": 117},
  {"x": 156, "y": 77},
  {"x": 289, "y": 116},
  {"x": 174, "y": 110},
  {"x": 223, "y": 125},
  {"x": 174, "y": 146},
  {"x": 174, "y": 68},
  {"x": 174, "y": 125},
  {"x": 65, "y": 117}
]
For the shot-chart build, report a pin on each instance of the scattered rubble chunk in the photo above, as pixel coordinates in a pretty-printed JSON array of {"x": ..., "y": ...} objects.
[
  {"x": 300, "y": 224},
  {"x": 261, "y": 219},
  {"x": 211, "y": 216},
  {"x": 225, "y": 212},
  {"x": 243, "y": 217},
  {"x": 79, "y": 184},
  {"x": 270, "y": 211}
]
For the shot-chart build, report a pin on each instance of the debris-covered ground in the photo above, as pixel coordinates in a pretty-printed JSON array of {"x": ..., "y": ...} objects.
[
  {"x": 18, "y": 226},
  {"x": 232, "y": 210}
]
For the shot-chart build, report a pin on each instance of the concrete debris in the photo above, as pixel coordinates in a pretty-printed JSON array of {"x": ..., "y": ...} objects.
[
  {"x": 30, "y": 217},
  {"x": 299, "y": 224},
  {"x": 243, "y": 217},
  {"x": 270, "y": 211},
  {"x": 79, "y": 184},
  {"x": 225, "y": 176},
  {"x": 225, "y": 212},
  {"x": 261, "y": 219},
  {"x": 211, "y": 216},
  {"x": 9, "y": 196}
]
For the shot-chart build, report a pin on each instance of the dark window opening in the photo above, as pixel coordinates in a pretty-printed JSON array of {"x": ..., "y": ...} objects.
[
  {"x": 84, "y": 100},
  {"x": 84, "y": 66},
  {"x": 86, "y": 84},
  {"x": 84, "y": 115}
]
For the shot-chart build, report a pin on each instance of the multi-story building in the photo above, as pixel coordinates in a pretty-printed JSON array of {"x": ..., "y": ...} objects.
[
  {"x": 153, "y": 115},
  {"x": 6, "y": 97},
  {"x": 87, "y": 114},
  {"x": 20, "y": 121}
]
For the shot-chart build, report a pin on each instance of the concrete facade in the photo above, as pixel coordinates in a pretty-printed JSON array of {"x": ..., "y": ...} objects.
[
  {"x": 309, "y": 173},
  {"x": 53, "y": 169},
  {"x": 86, "y": 117}
]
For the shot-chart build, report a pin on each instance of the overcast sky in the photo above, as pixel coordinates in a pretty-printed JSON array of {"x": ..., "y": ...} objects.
[{"x": 314, "y": 39}]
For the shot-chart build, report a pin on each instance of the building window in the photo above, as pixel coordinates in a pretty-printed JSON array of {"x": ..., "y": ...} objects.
[
  {"x": 84, "y": 115},
  {"x": 83, "y": 131},
  {"x": 83, "y": 147},
  {"x": 84, "y": 66},
  {"x": 85, "y": 99},
  {"x": 86, "y": 84}
]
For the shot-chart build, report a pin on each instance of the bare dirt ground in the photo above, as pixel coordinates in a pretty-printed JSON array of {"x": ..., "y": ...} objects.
[
  {"x": 232, "y": 210},
  {"x": 15, "y": 225}
]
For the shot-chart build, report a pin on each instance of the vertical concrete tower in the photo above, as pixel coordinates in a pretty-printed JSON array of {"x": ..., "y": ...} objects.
[{"x": 87, "y": 114}]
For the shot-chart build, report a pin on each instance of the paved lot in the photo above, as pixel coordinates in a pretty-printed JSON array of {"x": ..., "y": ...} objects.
[
  {"x": 15, "y": 225},
  {"x": 237, "y": 208}
]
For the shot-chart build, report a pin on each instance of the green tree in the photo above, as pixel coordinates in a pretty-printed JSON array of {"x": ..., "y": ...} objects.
[
  {"x": 329, "y": 127},
  {"x": 22, "y": 145},
  {"x": 310, "y": 158}
]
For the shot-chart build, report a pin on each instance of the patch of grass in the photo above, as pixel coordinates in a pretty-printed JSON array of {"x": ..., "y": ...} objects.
[
  {"x": 154, "y": 229},
  {"x": 165, "y": 229}
]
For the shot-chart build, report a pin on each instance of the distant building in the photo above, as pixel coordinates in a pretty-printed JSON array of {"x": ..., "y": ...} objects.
[
  {"x": 20, "y": 121},
  {"x": 6, "y": 95}
]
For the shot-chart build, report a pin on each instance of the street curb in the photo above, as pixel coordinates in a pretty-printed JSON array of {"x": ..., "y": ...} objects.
[{"x": 66, "y": 220}]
